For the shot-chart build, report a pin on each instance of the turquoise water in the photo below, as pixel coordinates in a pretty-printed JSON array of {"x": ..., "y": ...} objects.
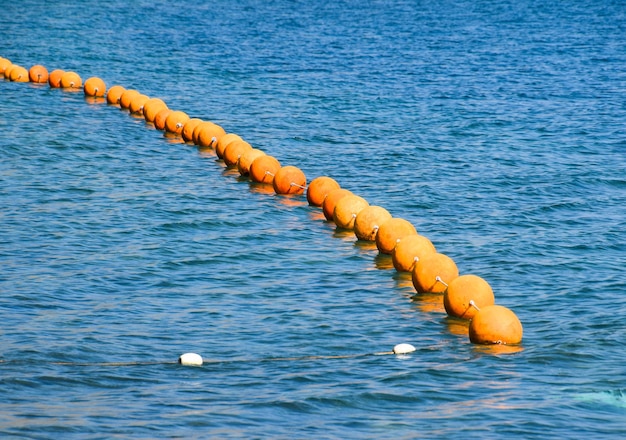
[{"x": 496, "y": 128}]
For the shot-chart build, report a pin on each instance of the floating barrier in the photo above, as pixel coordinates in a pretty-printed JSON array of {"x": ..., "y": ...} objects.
[{"x": 468, "y": 297}]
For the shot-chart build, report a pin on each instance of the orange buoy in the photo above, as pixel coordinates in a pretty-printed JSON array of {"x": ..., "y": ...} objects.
[
  {"x": 4, "y": 64},
  {"x": 161, "y": 116},
  {"x": 38, "y": 74},
  {"x": 495, "y": 325},
  {"x": 466, "y": 294},
  {"x": 319, "y": 188},
  {"x": 206, "y": 134},
  {"x": 346, "y": 210},
  {"x": 223, "y": 141},
  {"x": 7, "y": 71},
  {"x": 188, "y": 129},
  {"x": 114, "y": 94},
  {"x": 19, "y": 74},
  {"x": 175, "y": 121},
  {"x": 391, "y": 231},
  {"x": 409, "y": 250},
  {"x": 54, "y": 78},
  {"x": 71, "y": 80},
  {"x": 264, "y": 168},
  {"x": 127, "y": 96},
  {"x": 136, "y": 104},
  {"x": 151, "y": 107},
  {"x": 94, "y": 86},
  {"x": 433, "y": 273},
  {"x": 246, "y": 159},
  {"x": 289, "y": 180},
  {"x": 368, "y": 221},
  {"x": 233, "y": 152},
  {"x": 331, "y": 199}
]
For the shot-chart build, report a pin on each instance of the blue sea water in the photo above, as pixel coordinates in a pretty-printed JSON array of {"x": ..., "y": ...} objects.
[{"x": 497, "y": 128}]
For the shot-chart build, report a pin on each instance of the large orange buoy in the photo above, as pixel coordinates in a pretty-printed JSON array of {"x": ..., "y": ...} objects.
[
  {"x": 71, "y": 80},
  {"x": 19, "y": 74},
  {"x": 391, "y": 231},
  {"x": 188, "y": 129},
  {"x": 7, "y": 71},
  {"x": 234, "y": 150},
  {"x": 4, "y": 63},
  {"x": 433, "y": 273},
  {"x": 160, "y": 117},
  {"x": 289, "y": 180},
  {"x": 495, "y": 325},
  {"x": 94, "y": 86},
  {"x": 54, "y": 78},
  {"x": 206, "y": 134},
  {"x": 318, "y": 188},
  {"x": 127, "y": 96},
  {"x": 114, "y": 94},
  {"x": 151, "y": 107},
  {"x": 38, "y": 74},
  {"x": 136, "y": 104},
  {"x": 246, "y": 159},
  {"x": 264, "y": 168},
  {"x": 175, "y": 121},
  {"x": 409, "y": 250},
  {"x": 466, "y": 294},
  {"x": 346, "y": 210},
  {"x": 223, "y": 141},
  {"x": 368, "y": 221},
  {"x": 331, "y": 199}
]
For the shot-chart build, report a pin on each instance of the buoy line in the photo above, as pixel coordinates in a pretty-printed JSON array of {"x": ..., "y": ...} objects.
[
  {"x": 466, "y": 297},
  {"x": 194, "y": 359}
]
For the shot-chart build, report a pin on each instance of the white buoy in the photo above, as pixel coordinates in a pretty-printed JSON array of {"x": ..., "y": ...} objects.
[
  {"x": 190, "y": 359},
  {"x": 403, "y": 349}
]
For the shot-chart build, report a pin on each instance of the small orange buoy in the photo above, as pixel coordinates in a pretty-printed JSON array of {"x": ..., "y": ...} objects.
[
  {"x": 136, "y": 104},
  {"x": 206, "y": 134},
  {"x": 223, "y": 141},
  {"x": 175, "y": 121},
  {"x": 54, "y": 78},
  {"x": 161, "y": 116},
  {"x": 289, "y": 180},
  {"x": 188, "y": 129},
  {"x": 346, "y": 210},
  {"x": 264, "y": 168},
  {"x": 391, "y": 231},
  {"x": 114, "y": 94},
  {"x": 38, "y": 74},
  {"x": 246, "y": 159},
  {"x": 4, "y": 64},
  {"x": 368, "y": 221},
  {"x": 319, "y": 188},
  {"x": 71, "y": 80},
  {"x": 467, "y": 294},
  {"x": 331, "y": 199},
  {"x": 433, "y": 273},
  {"x": 151, "y": 107},
  {"x": 495, "y": 325},
  {"x": 127, "y": 96},
  {"x": 19, "y": 74},
  {"x": 409, "y": 250},
  {"x": 94, "y": 86},
  {"x": 234, "y": 150}
]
